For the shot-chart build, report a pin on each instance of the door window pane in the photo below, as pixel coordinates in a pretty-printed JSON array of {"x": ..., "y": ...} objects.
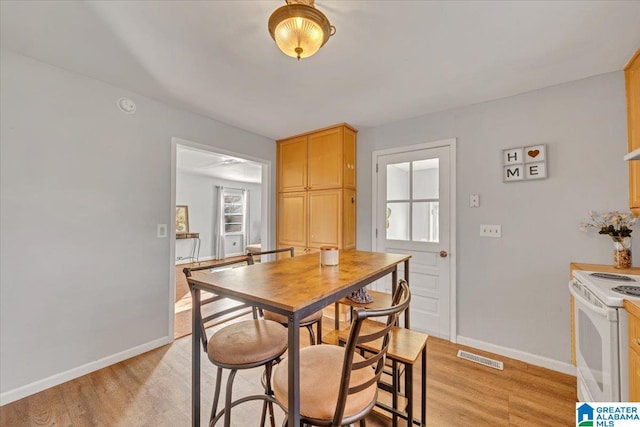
[
  {"x": 425, "y": 227},
  {"x": 397, "y": 221},
  {"x": 425, "y": 179},
  {"x": 398, "y": 181}
]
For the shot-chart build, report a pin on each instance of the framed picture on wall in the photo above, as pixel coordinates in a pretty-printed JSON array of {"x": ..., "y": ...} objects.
[{"x": 182, "y": 219}]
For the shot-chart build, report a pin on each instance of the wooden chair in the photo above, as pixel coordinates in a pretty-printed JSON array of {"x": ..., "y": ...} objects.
[
  {"x": 407, "y": 348},
  {"x": 241, "y": 345},
  {"x": 338, "y": 385},
  {"x": 307, "y": 322}
]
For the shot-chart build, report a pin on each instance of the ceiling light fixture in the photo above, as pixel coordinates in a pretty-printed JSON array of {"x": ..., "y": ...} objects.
[{"x": 299, "y": 29}]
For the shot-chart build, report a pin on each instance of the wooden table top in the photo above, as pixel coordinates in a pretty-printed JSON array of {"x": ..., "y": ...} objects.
[{"x": 291, "y": 284}]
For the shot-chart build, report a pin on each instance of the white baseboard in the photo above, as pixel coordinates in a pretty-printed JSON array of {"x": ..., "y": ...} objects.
[
  {"x": 533, "y": 359},
  {"x": 54, "y": 380}
]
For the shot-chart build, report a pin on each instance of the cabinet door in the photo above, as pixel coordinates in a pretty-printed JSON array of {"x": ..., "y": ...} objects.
[
  {"x": 349, "y": 220},
  {"x": 325, "y": 227},
  {"x": 292, "y": 219},
  {"x": 325, "y": 159},
  {"x": 349, "y": 171},
  {"x": 632, "y": 77},
  {"x": 634, "y": 358},
  {"x": 292, "y": 164},
  {"x": 634, "y": 376}
]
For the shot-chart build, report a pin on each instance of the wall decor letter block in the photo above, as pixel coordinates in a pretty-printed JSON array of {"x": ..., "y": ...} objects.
[
  {"x": 524, "y": 163},
  {"x": 513, "y": 156},
  {"x": 513, "y": 173}
]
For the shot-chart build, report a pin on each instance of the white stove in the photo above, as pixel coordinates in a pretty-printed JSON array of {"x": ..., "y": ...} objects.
[
  {"x": 610, "y": 288},
  {"x": 601, "y": 333}
]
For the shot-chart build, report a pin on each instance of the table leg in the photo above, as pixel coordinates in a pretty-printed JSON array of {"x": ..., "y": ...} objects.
[
  {"x": 406, "y": 277},
  {"x": 394, "y": 280},
  {"x": 195, "y": 357},
  {"x": 394, "y": 396},
  {"x": 423, "y": 409},
  {"x": 294, "y": 371},
  {"x": 408, "y": 391}
]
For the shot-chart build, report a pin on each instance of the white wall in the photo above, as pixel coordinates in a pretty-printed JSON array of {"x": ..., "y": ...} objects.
[
  {"x": 512, "y": 292},
  {"x": 83, "y": 279},
  {"x": 199, "y": 193}
]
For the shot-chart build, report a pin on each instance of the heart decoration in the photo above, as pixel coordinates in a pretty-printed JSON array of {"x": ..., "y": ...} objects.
[{"x": 533, "y": 153}]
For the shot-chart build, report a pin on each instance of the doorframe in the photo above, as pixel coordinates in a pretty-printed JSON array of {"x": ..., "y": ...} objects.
[
  {"x": 265, "y": 201},
  {"x": 451, "y": 144}
]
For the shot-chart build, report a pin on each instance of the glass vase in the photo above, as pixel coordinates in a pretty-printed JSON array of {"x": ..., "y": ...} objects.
[{"x": 622, "y": 252}]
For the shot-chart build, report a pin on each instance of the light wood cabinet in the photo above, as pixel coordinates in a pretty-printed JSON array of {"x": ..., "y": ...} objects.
[
  {"x": 316, "y": 190},
  {"x": 318, "y": 160},
  {"x": 292, "y": 219},
  {"x": 349, "y": 218},
  {"x": 632, "y": 80},
  {"x": 325, "y": 219},
  {"x": 634, "y": 376},
  {"x": 292, "y": 164},
  {"x": 634, "y": 351}
]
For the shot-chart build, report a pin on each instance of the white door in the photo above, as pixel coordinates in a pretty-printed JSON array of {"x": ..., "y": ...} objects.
[{"x": 413, "y": 197}]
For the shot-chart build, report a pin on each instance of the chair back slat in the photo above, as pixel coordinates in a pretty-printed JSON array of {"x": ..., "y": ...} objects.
[
  {"x": 188, "y": 272},
  {"x": 374, "y": 359},
  {"x": 274, "y": 251},
  {"x": 374, "y": 336},
  {"x": 222, "y": 313}
]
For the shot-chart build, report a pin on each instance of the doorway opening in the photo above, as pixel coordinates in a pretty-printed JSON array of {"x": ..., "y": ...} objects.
[{"x": 221, "y": 202}]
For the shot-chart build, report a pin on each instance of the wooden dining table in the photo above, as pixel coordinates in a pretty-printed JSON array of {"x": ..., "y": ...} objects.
[{"x": 295, "y": 287}]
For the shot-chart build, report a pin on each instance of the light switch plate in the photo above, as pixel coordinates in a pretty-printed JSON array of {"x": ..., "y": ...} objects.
[
  {"x": 162, "y": 230},
  {"x": 487, "y": 230},
  {"x": 474, "y": 201}
]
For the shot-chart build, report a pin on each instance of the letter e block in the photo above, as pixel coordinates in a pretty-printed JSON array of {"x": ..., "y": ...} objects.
[{"x": 535, "y": 170}]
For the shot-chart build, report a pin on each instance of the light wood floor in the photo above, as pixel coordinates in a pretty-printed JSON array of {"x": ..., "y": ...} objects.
[{"x": 153, "y": 389}]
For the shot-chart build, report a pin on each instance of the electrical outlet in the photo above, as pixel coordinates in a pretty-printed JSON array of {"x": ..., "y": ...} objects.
[
  {"x": 490, "y": 230},
  {"x": 162, "y": 230}
]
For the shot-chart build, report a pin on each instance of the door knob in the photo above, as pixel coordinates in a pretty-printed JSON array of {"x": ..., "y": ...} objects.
[{"x": 443, "y": 254}]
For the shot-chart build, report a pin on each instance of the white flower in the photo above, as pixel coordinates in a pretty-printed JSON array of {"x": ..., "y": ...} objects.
[{"x": 615, "y": 224}]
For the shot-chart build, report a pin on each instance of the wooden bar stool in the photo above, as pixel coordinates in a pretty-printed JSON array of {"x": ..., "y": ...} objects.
[{"x": 406, "y": 348}]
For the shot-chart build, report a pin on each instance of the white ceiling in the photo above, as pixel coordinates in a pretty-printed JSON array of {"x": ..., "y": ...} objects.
[
  {"x": 388, "y": 61},
  {"x": 194, "y": 161}
]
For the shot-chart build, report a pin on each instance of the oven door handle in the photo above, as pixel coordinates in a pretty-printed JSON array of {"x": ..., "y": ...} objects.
[{"x": 602, "y": 311}]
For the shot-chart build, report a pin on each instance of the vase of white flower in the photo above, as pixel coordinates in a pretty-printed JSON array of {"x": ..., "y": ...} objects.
[
  {"x": 622, "y": 252},
  {"x": 618, "y": 226}
]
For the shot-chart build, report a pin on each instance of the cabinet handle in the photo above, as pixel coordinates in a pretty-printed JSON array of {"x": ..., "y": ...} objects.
[
  {"x": 638, "y": 341},
  {"x": 353, "y": 200}
]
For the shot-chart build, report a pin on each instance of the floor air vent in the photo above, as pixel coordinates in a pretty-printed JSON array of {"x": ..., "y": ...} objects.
[{"x": 481, "y": 360}]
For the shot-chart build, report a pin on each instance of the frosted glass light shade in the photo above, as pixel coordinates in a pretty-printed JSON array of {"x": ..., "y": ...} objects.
[{"x": 299, "y": 30}]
